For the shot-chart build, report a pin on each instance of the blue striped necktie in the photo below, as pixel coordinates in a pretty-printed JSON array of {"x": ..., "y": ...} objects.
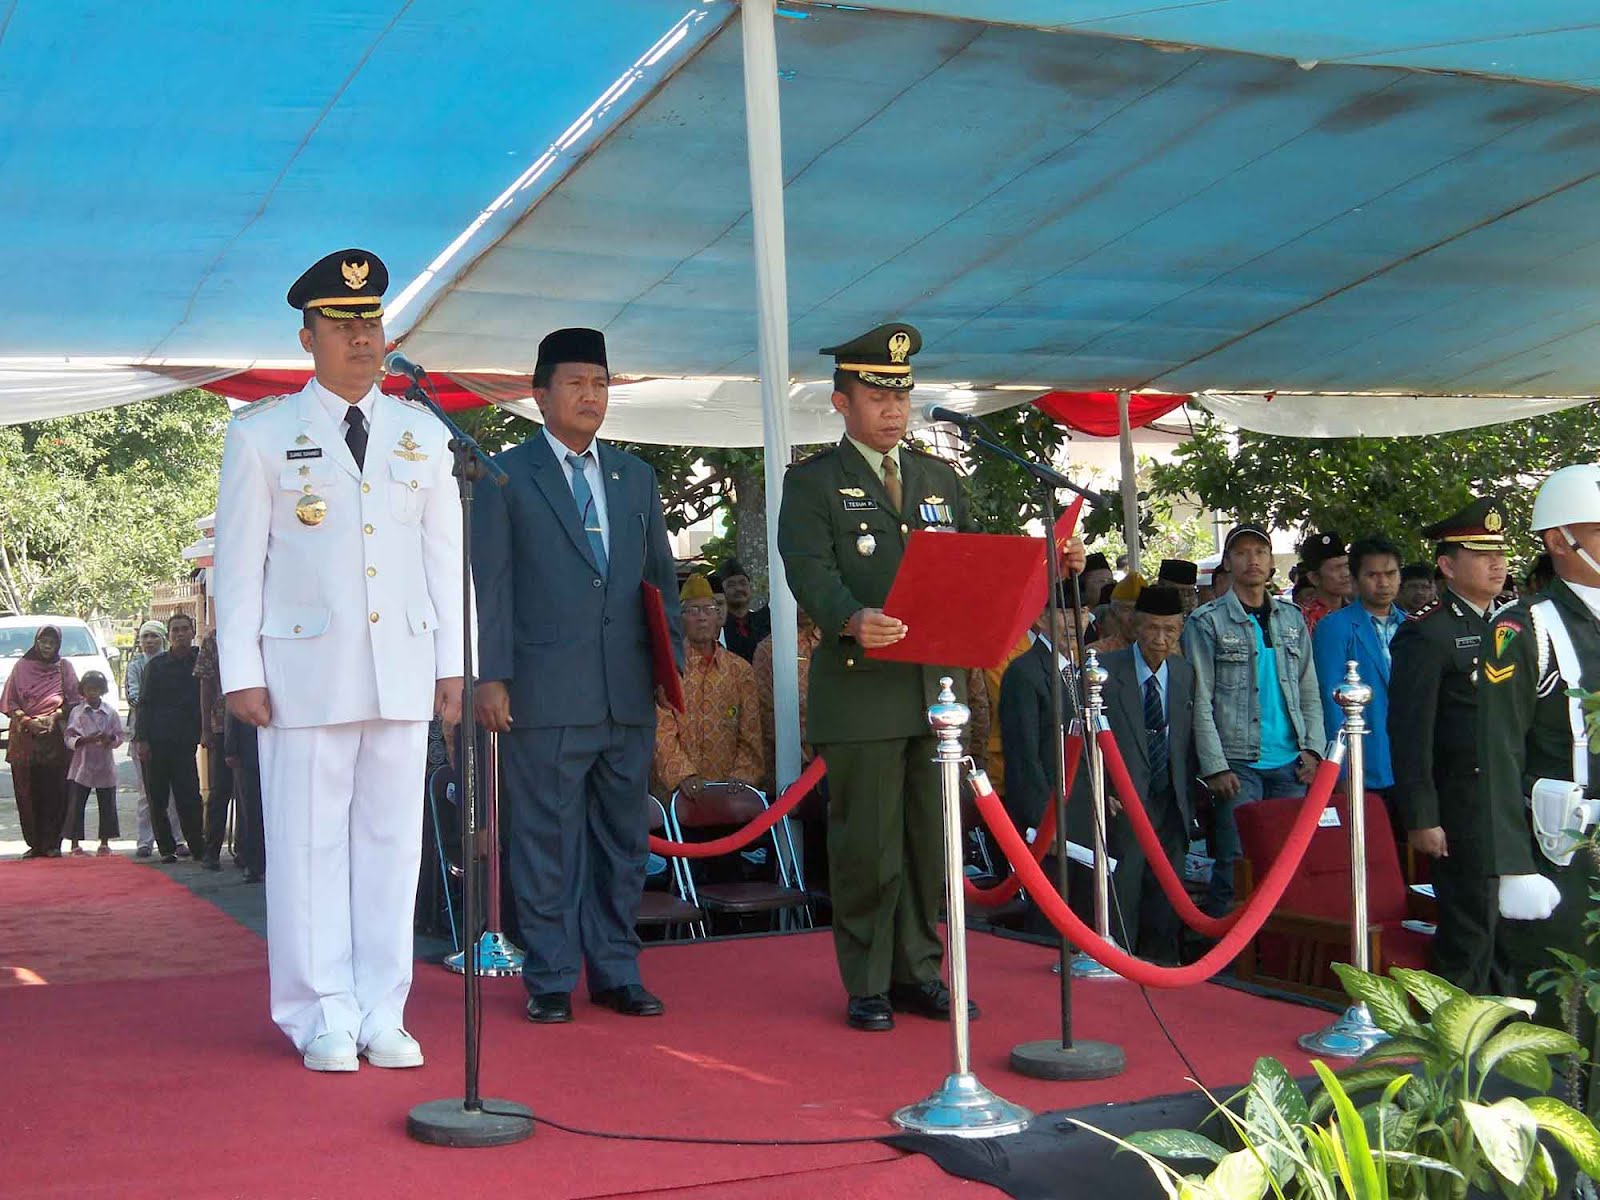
[
  {"x": 584, "y": 497},
  {"x": 1155, "y": 727}
]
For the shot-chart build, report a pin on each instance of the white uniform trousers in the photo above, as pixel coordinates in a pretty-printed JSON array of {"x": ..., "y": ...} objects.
[{"x": 343, "y": 811}]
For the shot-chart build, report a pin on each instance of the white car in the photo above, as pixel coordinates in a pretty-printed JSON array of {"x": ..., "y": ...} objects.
[{"x": 79, "y": 646}]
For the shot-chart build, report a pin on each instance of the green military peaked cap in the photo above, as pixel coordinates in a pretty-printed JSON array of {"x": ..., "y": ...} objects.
[
  {"x": 1481, "y": 525},
  {"x": 881, "y": 356}
]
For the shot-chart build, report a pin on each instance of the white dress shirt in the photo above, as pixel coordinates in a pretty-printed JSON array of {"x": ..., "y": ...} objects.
[
  {"x": 1142, "y": 671},
  {"x": 338, "y": 407},
  {"x": 591, "y": 472}
]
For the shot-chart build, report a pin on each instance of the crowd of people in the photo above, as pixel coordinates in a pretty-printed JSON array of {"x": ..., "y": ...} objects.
[
  {"x": 64, "y": 733},
  {"x": 340, "y": 630}
]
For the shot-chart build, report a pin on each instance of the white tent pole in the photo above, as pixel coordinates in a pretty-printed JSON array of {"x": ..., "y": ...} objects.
[
  {"x": 1130, "y": 483},
  {"x": 764, "y": 141}
]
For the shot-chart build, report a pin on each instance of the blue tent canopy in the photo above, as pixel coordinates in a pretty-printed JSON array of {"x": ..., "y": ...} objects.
[{"x": 1240, "y": 196}]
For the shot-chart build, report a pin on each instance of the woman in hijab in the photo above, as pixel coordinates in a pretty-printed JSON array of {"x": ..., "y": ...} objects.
[{"x": 41, "y": 691}]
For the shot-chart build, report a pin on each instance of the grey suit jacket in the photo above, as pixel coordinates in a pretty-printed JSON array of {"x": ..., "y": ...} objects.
[
  {"x": 1124, "y": 709},
  {"x": 569, "y": 642}
]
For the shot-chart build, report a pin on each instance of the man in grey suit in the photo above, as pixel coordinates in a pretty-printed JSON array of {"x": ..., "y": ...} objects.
[
  {"x": 1149, "y": 705},
  {"x": 1157, "y": 745},
  {"x": 558, "y": 557}
]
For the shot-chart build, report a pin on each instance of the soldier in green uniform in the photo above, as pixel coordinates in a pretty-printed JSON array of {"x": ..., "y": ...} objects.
[
  {"x": 1433, "y": 703},
  {"x": 1531, "y": 741},
  {"x": 847, "y": 513}
]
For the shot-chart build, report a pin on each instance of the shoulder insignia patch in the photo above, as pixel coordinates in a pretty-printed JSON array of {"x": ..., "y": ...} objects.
[
  {"x": 1499, "y": 674},
  {"x": 1504, "y": 633},
  {"x": 1427, "y": 609},
  {"x": 818, "y": 456},
  {"x": 260, "y": 406},
  {"x": 418, "y": 405}
]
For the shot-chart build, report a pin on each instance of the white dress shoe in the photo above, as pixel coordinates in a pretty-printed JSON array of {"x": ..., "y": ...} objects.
[
  {"x": 393, "y": 1048},
  {"x": 331, "y": 1052}
]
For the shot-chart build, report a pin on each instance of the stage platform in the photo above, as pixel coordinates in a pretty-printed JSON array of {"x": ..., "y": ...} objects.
[{"x": 140, "y": 1062}]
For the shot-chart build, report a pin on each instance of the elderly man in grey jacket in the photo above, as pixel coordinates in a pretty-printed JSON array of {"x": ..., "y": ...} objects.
[{"x": 1258, "y": 711}]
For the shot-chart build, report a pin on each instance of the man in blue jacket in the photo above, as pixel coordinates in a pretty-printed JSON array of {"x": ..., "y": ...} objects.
[
  {"x": 558, "y": 556},
  {"x": 1363, "y": 631}
]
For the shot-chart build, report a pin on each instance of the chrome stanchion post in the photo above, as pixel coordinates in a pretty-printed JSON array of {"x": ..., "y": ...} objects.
[
  {"x": 497, "y": 955},
  {"x": 1094, "y": 679},
  {"x": 1354, "y": 1033},
  {"x": 962, "y": 1107}
]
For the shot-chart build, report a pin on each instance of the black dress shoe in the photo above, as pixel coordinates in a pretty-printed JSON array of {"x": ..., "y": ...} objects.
[
  {"x": 930, "y": 999},
  {"x": 550, "y": 1008},
  {"x": 211, "y": 864},
  {"x": 871, "y": 1013},
  {"x": 631, "y": 1000}
]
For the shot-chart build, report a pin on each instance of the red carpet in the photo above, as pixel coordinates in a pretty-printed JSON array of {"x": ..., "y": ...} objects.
[
  {"x": 181, "y": 1087},
  {"x": 74, "y": 920}
]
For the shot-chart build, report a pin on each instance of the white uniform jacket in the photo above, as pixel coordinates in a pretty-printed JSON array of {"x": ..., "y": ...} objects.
[{"x": 353, "y": 617}]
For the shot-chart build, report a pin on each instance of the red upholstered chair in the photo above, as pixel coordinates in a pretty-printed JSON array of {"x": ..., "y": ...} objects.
[{"x": 1310, "y": 928}]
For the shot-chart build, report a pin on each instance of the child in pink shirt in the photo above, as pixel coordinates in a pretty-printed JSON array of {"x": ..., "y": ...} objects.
[{"x": 93, "y": 731}]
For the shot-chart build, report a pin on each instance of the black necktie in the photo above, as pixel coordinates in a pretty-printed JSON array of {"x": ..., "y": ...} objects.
[
  {"x": 1155, "y": 731},
  {"x": 355, "y": 436}
]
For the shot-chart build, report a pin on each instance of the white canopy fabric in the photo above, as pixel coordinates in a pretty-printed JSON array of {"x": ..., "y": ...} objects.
[
  {"x": 37, "y": 389},
  {"x": 1373, "y": 416}
]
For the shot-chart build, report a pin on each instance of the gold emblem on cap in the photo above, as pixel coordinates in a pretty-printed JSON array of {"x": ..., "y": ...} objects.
[
  {"x": 900, "y": 347},
  {"x": 408, "y": 448},
  {"x": 310, "y": 509},
  {"x": 355, "y": 274},
  {"x": 1493, "y": 521}
]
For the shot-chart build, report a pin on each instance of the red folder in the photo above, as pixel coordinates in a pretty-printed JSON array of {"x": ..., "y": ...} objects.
[
  {"x": 966, "y": 598},
  {"x": 662, "y": 663}
]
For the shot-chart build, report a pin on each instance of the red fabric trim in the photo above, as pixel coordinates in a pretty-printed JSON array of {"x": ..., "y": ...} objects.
[
  {"x": 255, "y": 385},
  {"x": 1095, "y": 413}
]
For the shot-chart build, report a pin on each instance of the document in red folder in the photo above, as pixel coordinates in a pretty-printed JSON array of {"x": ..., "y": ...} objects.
[
  {"x": 662, "y": 663},
  {"x": 966, "y": 598}
]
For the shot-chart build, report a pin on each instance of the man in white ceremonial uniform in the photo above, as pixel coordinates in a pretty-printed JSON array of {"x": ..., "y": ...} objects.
[{"x": 339, "y": 623}]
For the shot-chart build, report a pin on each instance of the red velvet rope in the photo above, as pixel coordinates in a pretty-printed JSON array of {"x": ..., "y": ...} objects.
[
  {"x": 1150, "y": 842},
  {"x": 1255, "y": 912},
  {"x": 740, "y": 838},
  {"x": 1043, "y": 839}
]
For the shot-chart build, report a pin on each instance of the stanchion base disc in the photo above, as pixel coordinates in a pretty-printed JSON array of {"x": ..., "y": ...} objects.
[
  {"x": 1351, "y": 1036},
  {"x": 452, "y": 1123},
  {"x": 963, "y": 1108},
  {"x": 1084, "y": 967},
  {"x": 497, "y": 958},
  {"x": 1049, "y": 1059}
]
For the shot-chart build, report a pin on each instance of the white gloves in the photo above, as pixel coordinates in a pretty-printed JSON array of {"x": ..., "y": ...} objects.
[{"x": 1527, "y": 897}]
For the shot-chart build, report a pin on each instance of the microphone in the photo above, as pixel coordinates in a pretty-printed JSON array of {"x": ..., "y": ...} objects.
[
  {"x": 937, "y": 412},
  {"x": 395, "y": 363}
]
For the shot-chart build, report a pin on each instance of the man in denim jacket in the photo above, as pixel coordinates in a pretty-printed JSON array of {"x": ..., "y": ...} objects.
[{"x": 1257, "y": 711}]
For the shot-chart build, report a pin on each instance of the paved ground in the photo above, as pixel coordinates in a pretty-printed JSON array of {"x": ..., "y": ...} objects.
[{"x": 11, "y": 843}]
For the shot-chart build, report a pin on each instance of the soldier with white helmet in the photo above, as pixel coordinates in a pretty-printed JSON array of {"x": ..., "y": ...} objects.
[{"x": 1539, "y": 775}]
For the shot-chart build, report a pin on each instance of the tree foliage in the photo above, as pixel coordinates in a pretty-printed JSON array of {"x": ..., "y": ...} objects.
[
  {"x": 96, "y": 508},
  {"x": 1389, "y": 486}
]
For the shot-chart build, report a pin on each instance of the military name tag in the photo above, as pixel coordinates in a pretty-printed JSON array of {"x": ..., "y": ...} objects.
[
  {"x": 314, "y": 452},
  {"x": 852, "y": 505},
  {"x": 1468, "y": 643}
]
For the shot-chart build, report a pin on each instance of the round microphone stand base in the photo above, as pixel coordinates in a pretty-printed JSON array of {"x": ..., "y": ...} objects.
[
  {"x": 452, "y": 1123},
  {"x": 1084, "y": 967},
  {"x": 1049, "y": 1059},
  {"x": 964, "y": 1108},
  {"x": 497, "y": 957},
  {"x": 1351, "y": 1036}
]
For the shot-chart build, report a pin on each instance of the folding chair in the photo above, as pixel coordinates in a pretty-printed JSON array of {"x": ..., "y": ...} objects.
[
  {"x": 786, "y": 899},
  {"x": 670, "y": 910}
]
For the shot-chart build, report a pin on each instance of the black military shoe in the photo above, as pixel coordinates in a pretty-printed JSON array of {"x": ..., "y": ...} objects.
[
  {"x": 631, "y": 1000},
  {"x": 550, "y": 1008},
  {"x": 930, "y": 999},
  {"x": 871, "y": 1013}
]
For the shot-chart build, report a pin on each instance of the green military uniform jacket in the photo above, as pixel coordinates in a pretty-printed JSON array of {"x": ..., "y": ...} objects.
[
  {"x": 1433, "y": 705},
  {"x": 832, "y": 503},
  {"x": 1524, "y": 732}
]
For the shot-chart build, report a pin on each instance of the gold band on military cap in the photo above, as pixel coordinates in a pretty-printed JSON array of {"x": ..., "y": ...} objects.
[
  {"x": 345, "y": 301},
  {"x": 1477, "y": 541},
  {"x": 875, "y": 368}
]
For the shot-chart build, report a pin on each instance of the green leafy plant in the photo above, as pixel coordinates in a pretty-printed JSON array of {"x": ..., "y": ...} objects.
[
  {"x": 1450, "y": 1055},
  {"x": 1283, "y": 1151}
]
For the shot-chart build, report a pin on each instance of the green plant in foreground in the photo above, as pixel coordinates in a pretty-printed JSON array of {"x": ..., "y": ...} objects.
[{"x": 1428, "y": 1134}]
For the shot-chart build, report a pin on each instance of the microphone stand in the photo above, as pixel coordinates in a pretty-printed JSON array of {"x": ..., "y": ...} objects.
[
  {"x": 1066, "y": 1057},
  {"x": 465, "y": 1120}
]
